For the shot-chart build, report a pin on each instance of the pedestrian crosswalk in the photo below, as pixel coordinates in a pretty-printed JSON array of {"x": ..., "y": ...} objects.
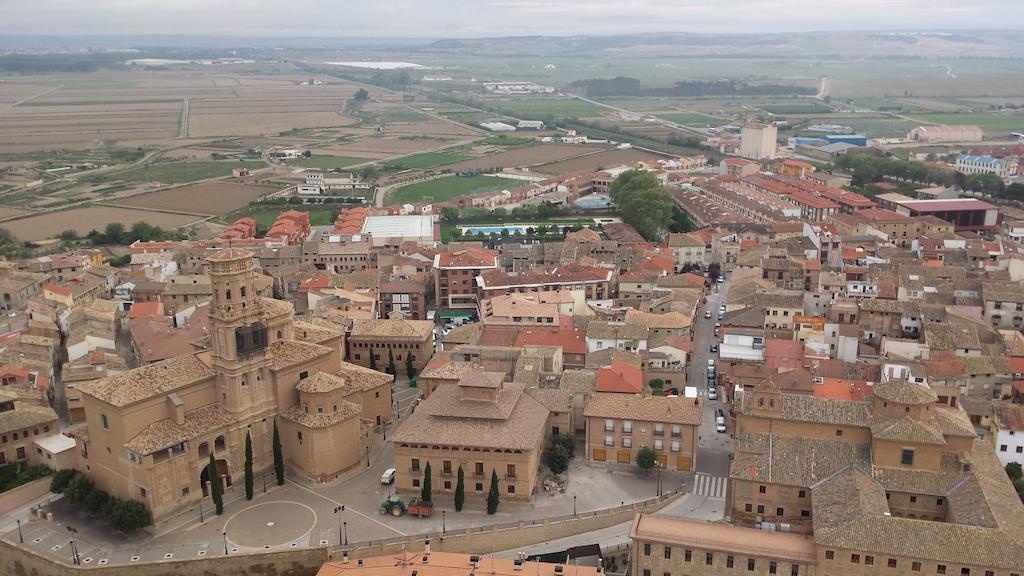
[{"x": 710, "y": 486}]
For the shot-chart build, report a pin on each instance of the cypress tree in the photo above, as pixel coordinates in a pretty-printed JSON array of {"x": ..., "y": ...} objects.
[
  {"x": 492, "y": 495},
  {"x": 278, "y": 457},
  {"x": 373, "y": 361},
  {"x": 460, "y": 490},
  {"x": 425, "y": 492},
  {"x": 215, "y": 488},
  {"x": 248, "y": 466},
  {"x": 391, "y": 362},
  {"x": 408, "y": 367}
]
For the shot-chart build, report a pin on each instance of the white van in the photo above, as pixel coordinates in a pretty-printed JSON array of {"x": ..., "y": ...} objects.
[
  {"x": 711, "y": 363},
  {"x": 388, "y": 476}
]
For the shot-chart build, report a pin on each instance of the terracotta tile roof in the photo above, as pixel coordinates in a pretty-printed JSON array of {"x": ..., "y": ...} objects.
[
  {"x": 723, "y": 538},
  {"x": 446, "y": 369},
  {"x": 562, "y": 275},
  {"x": 148, "y": 381},
  {"x": 571, "y": 341},
  {"x": 521, "y": 429},
  {"x": 25, "y": 416},
  {"x": 298, "y": 415},
  {"x": 315, "y": 333},
  {"x": 441, "y": 564},
  {"x": 578, "y": 382},
  {"x": 620, "y": 377},
  {"x": 907, "y": 429},
  {"x": 903, "y": 392},
  {"x": 793, "y": 460},
  {"x": 1009, "y": 416},
  {"x": 165, "y": 433},
  {"x": 392, "y": 328},
  {"x": 467, "y": 258},
  {"x": 671, "y": 410},
  {"x": 287, "y": 353},
  {"x": 553, "y": 399}
]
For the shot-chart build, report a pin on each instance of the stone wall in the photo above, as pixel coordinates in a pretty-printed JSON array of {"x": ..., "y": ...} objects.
[
  {"x": 17, "y": 561},
  {"x": 22, "y": 495}
]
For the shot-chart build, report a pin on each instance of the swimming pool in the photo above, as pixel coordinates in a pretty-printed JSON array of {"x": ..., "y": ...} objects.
[
  {"x": 594, "y": 202},
  {"x": 488, "y": 230}
]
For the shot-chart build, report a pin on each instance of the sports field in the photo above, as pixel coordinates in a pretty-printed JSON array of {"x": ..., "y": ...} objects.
[{"x": 450, "y": 187}]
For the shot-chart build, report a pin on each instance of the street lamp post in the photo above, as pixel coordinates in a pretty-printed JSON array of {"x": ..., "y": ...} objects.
[
  {"x": 344, "y": 529},
  {"x": 21, "y": 539},
  {"x": 225, "y": 534},
  {"x": 202, "y": 520},
  {"x": 74, "y": 549},
  {"x": 342, "y": 526},
  {"x": 444, "y": 527},
  {"x": 573, "y": 504},
  {"x": 264, "y": 482},
  {"x": 367, "y": 456}
]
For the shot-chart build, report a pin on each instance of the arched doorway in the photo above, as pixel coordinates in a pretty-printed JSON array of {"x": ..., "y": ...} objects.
[{"x": 222, "y": 472}]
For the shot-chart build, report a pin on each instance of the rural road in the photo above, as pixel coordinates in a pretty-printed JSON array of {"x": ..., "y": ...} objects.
[
  {"x": 665, "y": 123},
  {"x": 183, "y": 131}
]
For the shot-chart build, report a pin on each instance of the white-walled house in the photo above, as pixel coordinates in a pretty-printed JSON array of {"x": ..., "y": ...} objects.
[{"x": 1008, "y": 432}]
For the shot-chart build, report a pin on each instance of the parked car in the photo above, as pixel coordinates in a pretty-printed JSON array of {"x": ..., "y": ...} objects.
[
  {"x": 719, "y": 420},
  {"x": 712, "y": 392},
  {"x": 714, "y": 348},
  {"x": 388, "y": 477},
  {"x": 707, "y": 314},
  {"x": 721, "y": 279}
]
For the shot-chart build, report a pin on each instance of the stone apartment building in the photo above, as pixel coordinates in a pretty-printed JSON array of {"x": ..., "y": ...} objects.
[
  {"x": 619, "y": 425},
  {"x": 150, "y": 430},
  {"x": 663, "y": 545},
  {"x": 400, "y": 337},
  {"x": 482, "y": 424},
  {"x": 22, "y": 422},
  {"x": 596, "y": 283},
  {"x": 1004, "y": 304},
  {"x": 406, "y": 296}
]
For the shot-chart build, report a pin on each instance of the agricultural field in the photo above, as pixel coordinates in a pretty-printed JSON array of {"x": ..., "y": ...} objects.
[
  {"x": 694, "y": 119},
  {"x": 994, "y": 124},
  {"x": 265, "y": 214},
  {"x": 327, "y": 162},
  {"x": 594, "y": 162},
  {"x": 214, "y": 198},
  {"x": 132, "y": 108},
  {"x": 525, "y": 156},
  {"x": 82, "y": 220},
  {"x": 797, "y": 108},
  {"x": 387, "y": 146},
  {"x": 449, "y": 187},
  {"x": 427, "y": 160},
  {"x": 535, "y": 108},
  {"x": 177, "y": 172}
]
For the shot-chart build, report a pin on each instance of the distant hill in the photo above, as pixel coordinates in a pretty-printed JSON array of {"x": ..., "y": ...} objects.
[{"x": 969, "y": 44}]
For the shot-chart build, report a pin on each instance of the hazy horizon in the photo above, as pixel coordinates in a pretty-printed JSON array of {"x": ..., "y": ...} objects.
[{"x": 437, "y": 19}]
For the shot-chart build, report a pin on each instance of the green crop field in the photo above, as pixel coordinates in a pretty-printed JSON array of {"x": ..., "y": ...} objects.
[
  {"x": 796, "y": 108},
  {"x": 176, "y": 172},
  {"x": 450, "y": 187},
  {"x": 328, "y": 162},
  {"x": 994, "y": 123},
  {"x": 427, "y": 160},
  {"x": 691, "y": 118},
  {"x": 535, "y": 108},
  {"x": 265, "y": 214},
  {"x": 94, "y": 84},
  {"x": 503, "y": 140}
]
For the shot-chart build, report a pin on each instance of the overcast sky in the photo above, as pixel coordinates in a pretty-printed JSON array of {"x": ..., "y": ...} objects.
[{"x": 483, "y": 18}]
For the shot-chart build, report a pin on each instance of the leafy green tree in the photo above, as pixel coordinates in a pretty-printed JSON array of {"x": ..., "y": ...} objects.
[
  {"x": 410, "y": 370},
  {"x": 450, "y": 214},
  {"x": 361, "y": 95},
  {"x": 114, "y": 233},
  {"x": 558, "y": 459},
  {"x": 460, "y": 490},
  {"x": 643, "y": 202},
  {"x": 96, "y": 501},
  {"x": 427, "y": 490},
  {"x": 646, "y": 458},
  {"x": 391, "y": 362},
  {"x": 1014, "y": 191},
  {"x": 657, "y": 386},
  {"x": 215, "y": 487},
  {"x": 278, "y": 457},
  {"x": 248, "y": 466},
  {"x": 129, "y": 515},
  {"x": 61, "y": 479},
  {"x": 493, "y": 498},
  {"x": 78, "y": 489},
  {"x": 1014, "y": 471},
  {"x": 565, "y": 441}
]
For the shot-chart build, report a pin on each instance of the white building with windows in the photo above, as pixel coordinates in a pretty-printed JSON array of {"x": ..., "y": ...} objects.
[{"x": 1008, "y": 432}]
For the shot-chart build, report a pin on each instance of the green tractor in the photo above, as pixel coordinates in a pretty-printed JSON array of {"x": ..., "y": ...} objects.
[{"x": 393, "y": 505}]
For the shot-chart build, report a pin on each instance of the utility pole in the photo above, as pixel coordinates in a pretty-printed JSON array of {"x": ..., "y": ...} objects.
[{"x": 339, "y": 510}]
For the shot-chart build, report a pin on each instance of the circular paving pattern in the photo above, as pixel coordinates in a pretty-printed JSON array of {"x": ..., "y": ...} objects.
[{"x": 270, "y": 524}]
